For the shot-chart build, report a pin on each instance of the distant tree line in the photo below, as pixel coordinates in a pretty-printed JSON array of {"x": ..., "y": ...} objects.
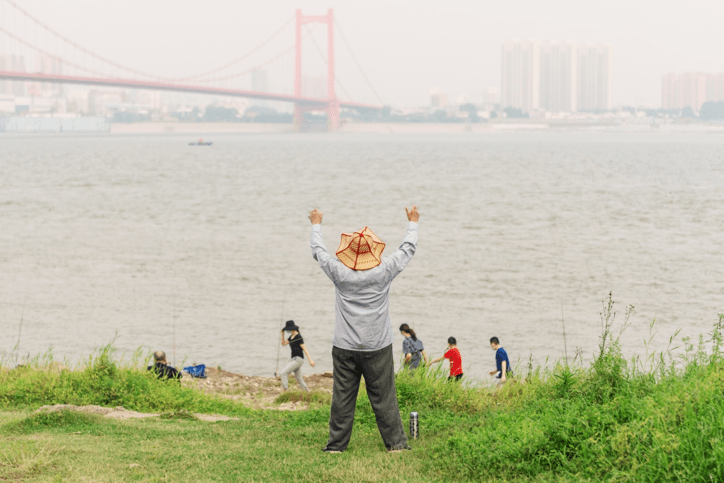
[
  {"x": 124, "y": 116},
  {"x": 231, "y": 114},
  {"x": 387, "y": 114},
  {"x": 712, "y": 111}
]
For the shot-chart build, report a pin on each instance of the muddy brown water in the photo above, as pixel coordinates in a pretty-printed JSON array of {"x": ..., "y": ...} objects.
[{"x": 127, "y": 236}]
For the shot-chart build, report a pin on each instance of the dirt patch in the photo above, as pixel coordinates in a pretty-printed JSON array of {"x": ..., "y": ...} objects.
[
  {"x": 122, "y": 413},
  {"x": 255, "y": 391}
]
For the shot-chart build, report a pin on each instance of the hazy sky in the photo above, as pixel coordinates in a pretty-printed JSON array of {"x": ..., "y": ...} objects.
[{"x": 405, "y": 46}]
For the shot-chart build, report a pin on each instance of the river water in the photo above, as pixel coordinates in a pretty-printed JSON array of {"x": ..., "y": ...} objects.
[{"x": 129, "y": 236}]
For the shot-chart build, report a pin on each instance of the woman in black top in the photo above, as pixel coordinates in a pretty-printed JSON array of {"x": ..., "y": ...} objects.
[{"x": 296, "y": 342}]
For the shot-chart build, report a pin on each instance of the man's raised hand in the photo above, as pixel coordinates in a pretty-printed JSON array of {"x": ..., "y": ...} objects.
[
  {"x": 315, "y": 216},
  {"x": 412, "y": 215}
]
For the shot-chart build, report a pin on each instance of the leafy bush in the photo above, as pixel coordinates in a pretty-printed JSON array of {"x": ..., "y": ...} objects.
[
  {"x": 66, "y": 419},
  {"x": 103, "y": 381},
  {"x": 611, "y": 421},
  {"x": 427, "y": 387}
]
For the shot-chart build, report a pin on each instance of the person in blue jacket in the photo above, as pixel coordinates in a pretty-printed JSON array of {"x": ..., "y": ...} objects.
[{"x": 502, "y": 363}]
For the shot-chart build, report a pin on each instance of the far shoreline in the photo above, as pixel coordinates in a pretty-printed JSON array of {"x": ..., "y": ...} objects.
[{"x": 533, "y": 125}]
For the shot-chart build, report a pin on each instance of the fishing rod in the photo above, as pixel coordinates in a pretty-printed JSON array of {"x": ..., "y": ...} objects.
[
  {"x": 20, "y": 330},
  {"x": 281, "y": 320},
  {"x": 565, "y": 342},
  {"x": 174, "y": 331}
]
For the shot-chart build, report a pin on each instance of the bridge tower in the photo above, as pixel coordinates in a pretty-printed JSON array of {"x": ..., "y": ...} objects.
[{"x": 331, "y": 104}]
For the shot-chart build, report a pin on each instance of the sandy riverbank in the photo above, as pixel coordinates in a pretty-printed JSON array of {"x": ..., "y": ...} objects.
[
  {"x": 120, "y": 413},
  {"x": 255, "y": 391}
]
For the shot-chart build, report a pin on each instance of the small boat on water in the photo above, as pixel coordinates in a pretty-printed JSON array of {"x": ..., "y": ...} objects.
[{"x": 200, "y": 143}]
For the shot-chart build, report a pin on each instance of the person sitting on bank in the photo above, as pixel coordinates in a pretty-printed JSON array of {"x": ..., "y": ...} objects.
[
  {"x": 161, "y": 367},
  {"x": 412, "y": 348},
  {"x": 456, "y": 360},
  {"x": 296, "y": 342},
  {"x": 502, "y": 364}
]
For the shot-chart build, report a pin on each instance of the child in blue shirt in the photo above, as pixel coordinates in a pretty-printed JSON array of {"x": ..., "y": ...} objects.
[{"x": 502, "y": 363}]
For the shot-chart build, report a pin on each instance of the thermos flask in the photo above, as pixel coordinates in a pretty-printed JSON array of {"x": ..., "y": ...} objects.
[{"x": 414, "y": 425}]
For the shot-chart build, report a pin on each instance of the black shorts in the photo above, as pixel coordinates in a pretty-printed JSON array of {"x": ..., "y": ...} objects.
[{"x": 457, "y": 378}]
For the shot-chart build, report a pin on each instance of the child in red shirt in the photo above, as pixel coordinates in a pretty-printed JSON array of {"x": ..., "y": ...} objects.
[{"x": 456, "y": 360}]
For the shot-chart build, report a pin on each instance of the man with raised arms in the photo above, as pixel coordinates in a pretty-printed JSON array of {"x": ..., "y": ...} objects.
[{"x": 362, "y": 343}]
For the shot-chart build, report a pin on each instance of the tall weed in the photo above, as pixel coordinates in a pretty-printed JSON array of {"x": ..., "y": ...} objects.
[
  {"x": 609, "y": 421},
  {"x": 103, "y": 381}
]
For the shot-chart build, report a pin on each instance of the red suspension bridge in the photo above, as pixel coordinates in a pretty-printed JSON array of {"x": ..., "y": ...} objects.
[{"x": 72, "y": 63}]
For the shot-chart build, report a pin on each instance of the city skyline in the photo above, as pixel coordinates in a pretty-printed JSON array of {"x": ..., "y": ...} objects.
[
  {"x": 691, "y": 89},
  {"x": 556, "y": 76},
  {"x": 406, "y": 47},
  {"x": 559, "y": 90}
]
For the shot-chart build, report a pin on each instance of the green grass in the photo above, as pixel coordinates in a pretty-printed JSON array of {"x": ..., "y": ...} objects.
[
  {"x": 185, "y": 415},
  {"x": 104, "y": 381},
  {"x": 270, "y": 446},
  {"x": 650, "y": 419},
  {"x": 314, "y": 398},
  {"x": 37, "y": 422}
]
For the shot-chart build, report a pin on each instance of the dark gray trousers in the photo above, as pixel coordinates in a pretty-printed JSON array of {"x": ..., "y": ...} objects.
[{"x": 378, "y": 369}]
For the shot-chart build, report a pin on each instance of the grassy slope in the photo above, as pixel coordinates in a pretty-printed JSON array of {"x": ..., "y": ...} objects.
[
  {"x": 266, "y": 447},
  {"x": 613, "y": 421},
  {"x": 670, "y": 430}
]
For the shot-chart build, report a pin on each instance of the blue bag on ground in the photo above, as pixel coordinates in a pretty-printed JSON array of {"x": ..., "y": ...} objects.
[{"x": 198, "y": 370}]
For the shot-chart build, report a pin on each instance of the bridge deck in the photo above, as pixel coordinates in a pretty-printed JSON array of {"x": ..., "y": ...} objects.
[{"x": 167, "y": 86}]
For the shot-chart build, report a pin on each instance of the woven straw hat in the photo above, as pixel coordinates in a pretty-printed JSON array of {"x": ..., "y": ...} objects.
[{"x": 360, "y": 250}]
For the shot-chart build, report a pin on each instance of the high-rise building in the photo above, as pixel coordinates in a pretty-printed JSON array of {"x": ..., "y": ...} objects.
[
  {"x": 595, "y": 75},
  {"x": 438, "y": 99},
  {"x": 691, "y": 89},
  {"x": 15, "y": 63},
  {"x": 46, "y": 65},
  {"x": 558, "y": 69},
  {"x": 490, "y": 97},
  {"x": 715, "y": 87},
  {"x": 556, "y": 76},
  {"x": 260, "y": 83},
  {"x": 670, "y": 92},
  {"x": 520, "y": 86}
]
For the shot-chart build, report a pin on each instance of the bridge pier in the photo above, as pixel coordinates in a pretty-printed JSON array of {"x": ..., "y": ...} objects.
[
  {"x": 331, "y": 109},
  {"x": 330, "y": 105}
]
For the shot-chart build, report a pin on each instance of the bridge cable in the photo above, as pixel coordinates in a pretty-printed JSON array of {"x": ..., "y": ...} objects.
[
  {"x": 130, "y": 69},
  {"x": 239, "y": 59},
  {"x": 264, "y": 64},
  {"x": 101, "y": 74},
  {"x": 339, "y": 27},
  {"x": 326, "y": 61},
  {"x": 44, "y": 52},
  {"x": 80, "y": 47},
  {"x": 239, "y": 74}
]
